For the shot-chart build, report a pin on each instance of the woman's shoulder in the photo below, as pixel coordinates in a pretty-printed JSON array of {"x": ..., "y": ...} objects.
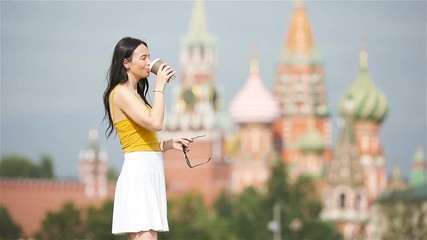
[
  {"x": 120, "y": 88},
  {"x": 120, "y": 91},
  {"x": 124, "y": 96},
  {"x": 118, "y": 94}
]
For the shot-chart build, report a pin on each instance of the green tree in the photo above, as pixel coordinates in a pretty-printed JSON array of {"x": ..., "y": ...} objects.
[
  {"x": 251, "y": 215},
  {"x": 189, "y": 218},
  {"x": 19, "y": 166},
  {"x": 46, "y": 167},
  {"x": 8, "y": 228},
  {"x": 98, "y": 222},
  {"x": 112, "y": 174},
  {"x": 300, "y": 206},
  {"x": 304, "y": 197},
  {"x": 278, "y": 188},
  {"x": 64, "y": 224},
  {"x": 405, "y": 219},
  {"x": 224, "y": 204}
]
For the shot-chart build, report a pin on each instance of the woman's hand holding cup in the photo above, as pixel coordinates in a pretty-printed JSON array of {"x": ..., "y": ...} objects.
[{"x": 163, "y": 71}]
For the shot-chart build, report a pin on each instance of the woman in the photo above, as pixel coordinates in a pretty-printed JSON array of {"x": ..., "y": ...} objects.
[{"x": 140, "y": 209}]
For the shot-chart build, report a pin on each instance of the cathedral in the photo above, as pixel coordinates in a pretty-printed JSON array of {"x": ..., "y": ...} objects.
[
  {"x": 290, "y": 122},
  {"x": 294, "y": 124}
]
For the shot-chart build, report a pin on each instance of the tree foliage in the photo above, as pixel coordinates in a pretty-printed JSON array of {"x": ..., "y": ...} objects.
[
  {"x": 20, "y": 166},
  {"x": 189, "y": 218},
  {"x": 8, "y": 228},
  {"x": 112, "y": 174},
  {"x": 250, "y": 215},
  {"x": 246, "y": 215},
  {"x": 46, "y": 167},
  {"x": 67, "y": 223},
  {"x": 232, "y": 217},
  {"x": 300, "y": 206},
  {"x": 98, "y": 222},
  {"x": 404, "y": 220}
]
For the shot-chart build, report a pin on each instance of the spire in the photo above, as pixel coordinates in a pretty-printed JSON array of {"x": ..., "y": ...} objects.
[
  {"x": 92, "y": 151},
  {"x": 300, "y": 39},
  {"x": 198, "y": 31},
  {"x": 419, "y": 169},
  {"x": 347, "y": 131},
  {"x": 245, "y": 108},
  {"x": 254, "y": 65},
  {"x": 299, "y": 3},
  {"x": 396, "y": 182},
  {"x": 93, "y": 135},
  {"x": 419, "y": 155},
  {"x": 363, "y": 56},
  {"x": 396, "y": 174}
]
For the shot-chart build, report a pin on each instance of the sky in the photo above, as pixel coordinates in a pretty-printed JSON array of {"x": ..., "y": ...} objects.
[{"x": 55, "y": 56}]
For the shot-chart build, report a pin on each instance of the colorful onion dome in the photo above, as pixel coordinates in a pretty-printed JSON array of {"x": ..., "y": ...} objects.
[
  {"x": 370, "y": 103},
  {"x": 254, "y": 102},
  {"x": 312, "y": 142}
]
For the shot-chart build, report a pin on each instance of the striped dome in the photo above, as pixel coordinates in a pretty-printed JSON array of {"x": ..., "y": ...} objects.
[
  {"x": 254, "y": 102},
  {"x": 312, "y": 142},
  {"x": 370, "y": 103}
]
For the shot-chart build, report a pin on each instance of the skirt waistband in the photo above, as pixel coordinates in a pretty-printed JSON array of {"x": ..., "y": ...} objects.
[{"x": 142, "y": 154}]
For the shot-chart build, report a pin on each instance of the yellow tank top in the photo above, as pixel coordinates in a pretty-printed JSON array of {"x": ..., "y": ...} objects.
[{"x": 133, "y": 137}]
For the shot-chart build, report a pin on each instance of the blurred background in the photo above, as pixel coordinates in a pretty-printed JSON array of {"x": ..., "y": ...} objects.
[{"x": 314, "y": 111}]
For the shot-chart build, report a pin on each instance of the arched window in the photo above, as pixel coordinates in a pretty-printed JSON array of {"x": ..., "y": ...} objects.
[
  {"x": 342, "y": 200},
  {"x": 358, "y": 203}
]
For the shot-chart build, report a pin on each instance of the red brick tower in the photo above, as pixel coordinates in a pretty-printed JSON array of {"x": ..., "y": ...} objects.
[
  {"x": 300, "y": 89},
  {"x": 93, "y": 168}
]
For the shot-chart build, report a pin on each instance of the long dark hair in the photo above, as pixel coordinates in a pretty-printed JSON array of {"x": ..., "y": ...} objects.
[{"x": 117, "y": 75}]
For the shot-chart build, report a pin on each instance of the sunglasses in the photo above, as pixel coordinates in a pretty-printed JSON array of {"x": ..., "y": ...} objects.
[{"x": 187, "y": 160}]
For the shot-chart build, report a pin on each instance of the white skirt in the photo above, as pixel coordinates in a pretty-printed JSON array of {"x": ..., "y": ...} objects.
[{"x": 140, "y": 202}]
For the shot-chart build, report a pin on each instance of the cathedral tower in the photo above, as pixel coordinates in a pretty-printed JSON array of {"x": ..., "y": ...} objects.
[
  {"x": 254, "y": 109},
  {"x": 300, "y": 89},
  {"x": 195, "y": 111},
  {"x": 312, "y": 145},
  {"x": 93, "y": 168},
  {"x": 197, "y": 99},
  {"x": 345, "y": 196},
  {"x": 371, "y": 108}
]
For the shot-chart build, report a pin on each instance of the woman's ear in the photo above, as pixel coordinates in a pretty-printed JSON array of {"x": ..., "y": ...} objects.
[{"x": 126, "y": 63}]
